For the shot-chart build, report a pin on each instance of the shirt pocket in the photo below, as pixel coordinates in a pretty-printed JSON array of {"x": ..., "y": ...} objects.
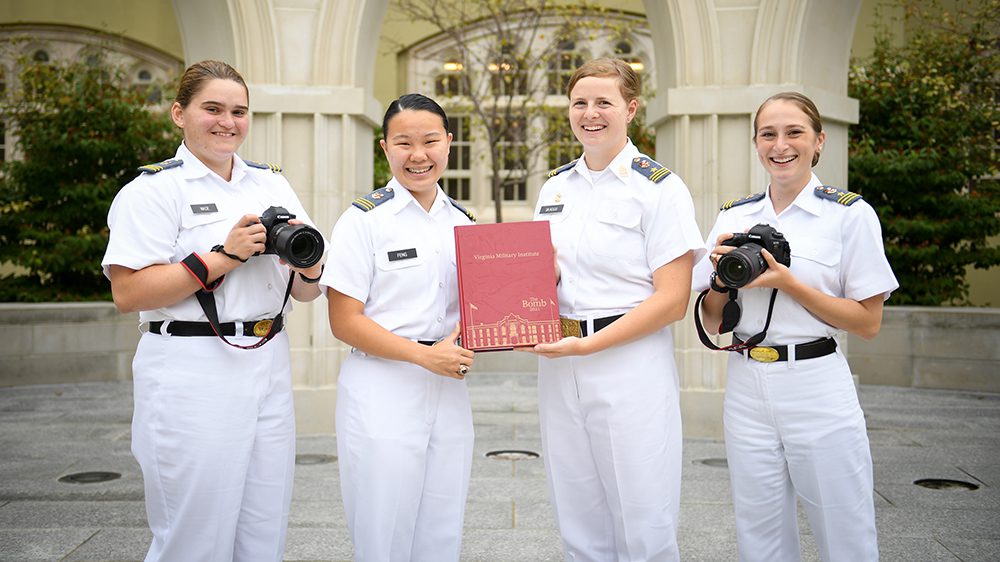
[
  {"x": 617, "y": 232},
  {"x": 201, "y": 231},
  {"x": 554, "y": 212},
  {"x": 816, "y": 261},
  {"x": 402, "y": 277}
]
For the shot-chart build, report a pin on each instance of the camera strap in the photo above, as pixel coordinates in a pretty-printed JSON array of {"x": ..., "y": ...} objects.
[
  {"x": 207, "y": 301},
  {"x": 731, "y": 313}
]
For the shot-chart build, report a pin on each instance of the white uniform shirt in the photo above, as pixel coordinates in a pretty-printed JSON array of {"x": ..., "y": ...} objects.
[
  {"x": 613, "y": 232},
  {"x": 161, "y": 218},
  {"x": 835, "y": 248},
  {"x": 399, "y": 260}
]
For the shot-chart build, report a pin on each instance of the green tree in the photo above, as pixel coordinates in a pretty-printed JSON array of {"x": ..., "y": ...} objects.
[
  {"x": 81, "y": 130},
  {"x": 924, "y": 152}
]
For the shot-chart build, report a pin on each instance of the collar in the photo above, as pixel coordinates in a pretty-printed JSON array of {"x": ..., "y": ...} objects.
[
  {"x": 194, "y": 168},
  {"x": 620, "y": 166},
  {"x": 403, "y": 197},
  {"x": 805, "y": 200}
]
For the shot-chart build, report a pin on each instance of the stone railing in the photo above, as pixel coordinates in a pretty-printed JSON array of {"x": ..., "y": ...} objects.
[
  {"x": 71, "y": 342},
  {"x": 932, "y": 347},
  {"x": 927, "y": 347}
]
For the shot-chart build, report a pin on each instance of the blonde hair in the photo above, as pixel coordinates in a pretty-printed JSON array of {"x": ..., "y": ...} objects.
[{"x": 628, "y": 80}]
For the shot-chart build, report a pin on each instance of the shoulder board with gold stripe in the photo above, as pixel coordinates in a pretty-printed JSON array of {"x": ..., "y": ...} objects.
[
  {"x": 374, "y": 199},
  {"x": 563, "y": 168},
  {"x": 160, "y": 166},
  {"x": 742, "y": 201},
  {"x": 846, "y": 198},
  {"x": 651, "y": 169},
  {"x": 264, "y": 166},
  {"x": 470, "y": 214}
]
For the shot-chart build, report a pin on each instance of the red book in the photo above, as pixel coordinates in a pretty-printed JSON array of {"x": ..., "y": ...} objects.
[{"x": 506, "y": 285}]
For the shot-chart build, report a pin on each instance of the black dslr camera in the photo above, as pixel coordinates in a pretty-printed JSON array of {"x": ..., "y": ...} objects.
[
  {"x": 298, "y": 244},
  {"x": 745, "y": 263}
]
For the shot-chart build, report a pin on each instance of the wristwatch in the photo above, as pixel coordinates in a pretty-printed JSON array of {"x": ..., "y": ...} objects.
[
  {"x": 715, "y": 286},
  {"x": 313, "y": 279}
]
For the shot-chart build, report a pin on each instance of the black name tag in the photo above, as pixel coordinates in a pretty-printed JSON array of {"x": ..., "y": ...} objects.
[
  {"x": 396, "y": 255},
  {"x": 550, "y": 209},
  {"x": 204, "y": 208}
]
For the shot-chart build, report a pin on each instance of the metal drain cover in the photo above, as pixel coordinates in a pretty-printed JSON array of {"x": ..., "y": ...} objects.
[
  {"x": 89, "y": 477},
  {"x": 512, "y": 455},
  {"x": 945, "y": 484},
  {"x": 315, "y": 459}
]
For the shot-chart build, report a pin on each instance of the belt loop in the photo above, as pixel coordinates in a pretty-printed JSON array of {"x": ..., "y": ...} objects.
[
  {"x": 791, "y": 356},
  {"x": 165, "y": 328},
  {"x": 238, "y": 329},
  {"x": 590, "y": 324}
]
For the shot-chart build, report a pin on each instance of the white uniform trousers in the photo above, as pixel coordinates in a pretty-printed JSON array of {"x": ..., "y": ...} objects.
[
  {"x": 404, "y": 440},
  {"x": 214, "y": 433},
  {"x": 796, "y": 428},
  {"x": 611, "y": 436}
]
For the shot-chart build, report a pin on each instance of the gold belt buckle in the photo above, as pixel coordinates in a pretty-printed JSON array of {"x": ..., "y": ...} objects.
[
  {"x": 262, "y": 327},
  {"x": 570, "y": 327},
  {"x": 764, "y": 354}
]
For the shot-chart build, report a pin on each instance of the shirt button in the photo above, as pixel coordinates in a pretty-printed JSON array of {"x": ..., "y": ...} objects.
[
  {"x": 439, "y": 319},
  {"x": 268, "y": 286},
  {"x": 440, "y": 284}
]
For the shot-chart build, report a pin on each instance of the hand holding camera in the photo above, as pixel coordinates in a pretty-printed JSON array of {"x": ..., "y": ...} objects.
[
  {"x": 300, "y": 245},
  {"x": 745, "y": 262}
]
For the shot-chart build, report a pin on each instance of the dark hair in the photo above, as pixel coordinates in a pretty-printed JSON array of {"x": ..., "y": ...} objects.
[
  {"x": 416, "y": 102},
  {"x": 628, "y": 80},
  {"x": 199, "y": 73},
  {"x": 805, "y": 104}
]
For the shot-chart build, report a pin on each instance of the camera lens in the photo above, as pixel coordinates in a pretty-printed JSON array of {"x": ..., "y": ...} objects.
[
  {"x": 300, "y": 245},
  {"x": 741, "y": 266}
]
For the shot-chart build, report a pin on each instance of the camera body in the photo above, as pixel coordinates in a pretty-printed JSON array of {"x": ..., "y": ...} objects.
[
  {"x": 745, "y": 263},
  {"x": 300, "y": 245}
]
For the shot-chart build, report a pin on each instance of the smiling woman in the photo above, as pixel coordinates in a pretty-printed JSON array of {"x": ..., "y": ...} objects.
[
  {"x": 623, "y": 226},
  {"x": 213, "y": 426},
  {"x": 404, "y": 419}
]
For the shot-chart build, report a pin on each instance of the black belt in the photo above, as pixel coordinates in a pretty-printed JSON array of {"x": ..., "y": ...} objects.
[
  {"x": 253, "y": 329},
  {"x": 578, "y": 328},
  {"x": 426, "y": 342},
  {"x": 771, "y": 353}
]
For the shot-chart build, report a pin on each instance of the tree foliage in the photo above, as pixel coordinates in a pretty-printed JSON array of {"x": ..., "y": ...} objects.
[
  {"x": 80, "y": 131},
  {"x": 505, "y": 52},
  {"x": 924, "y": 152}
]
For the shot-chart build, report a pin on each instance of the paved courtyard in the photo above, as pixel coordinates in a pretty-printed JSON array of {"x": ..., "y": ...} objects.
[{"x": 51, "y": 431}]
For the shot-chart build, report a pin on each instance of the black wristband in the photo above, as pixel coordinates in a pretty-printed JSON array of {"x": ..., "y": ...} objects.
[
  {"x": 222, "y": 250},
  {"x": 313, "y": 280},
  {"x": 715, "y": 287}
]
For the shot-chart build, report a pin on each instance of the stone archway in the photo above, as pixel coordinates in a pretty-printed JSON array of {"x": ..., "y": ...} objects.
[{"x": 310, "y": 67}]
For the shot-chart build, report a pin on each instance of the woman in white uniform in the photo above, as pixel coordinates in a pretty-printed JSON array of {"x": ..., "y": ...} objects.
[
  {"x": 213, "y": 428},
  {"x": 793, "y": 424},
  {"x": 404, "y": 420},
  {"x": 624, "y": 231}
]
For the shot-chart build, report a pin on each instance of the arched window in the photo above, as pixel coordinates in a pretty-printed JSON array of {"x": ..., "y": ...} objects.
[
  {"x": 40, "y": 55},
  {"x": 508, "y": 77},
  {"x": 565, "y": 60}
]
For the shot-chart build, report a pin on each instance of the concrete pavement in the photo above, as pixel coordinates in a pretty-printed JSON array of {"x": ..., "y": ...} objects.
[{"x": 48, "y": 432}]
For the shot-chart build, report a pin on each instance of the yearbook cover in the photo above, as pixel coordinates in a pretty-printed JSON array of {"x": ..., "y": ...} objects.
[{"x": 506, "y": 285}]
